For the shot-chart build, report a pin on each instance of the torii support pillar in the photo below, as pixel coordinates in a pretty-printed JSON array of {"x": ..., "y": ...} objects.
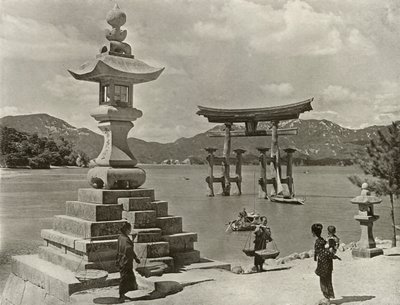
[
  {"x": 210, "y": 178},
  {"x": 262, "y": 181},
  {"x": 289, "y": 170},
  {"x": 239, "y": 161},
  {"x": 226, "y": 191}
]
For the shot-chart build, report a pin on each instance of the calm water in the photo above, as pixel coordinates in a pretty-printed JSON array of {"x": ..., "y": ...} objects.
[{"x": 29, "y": 199}]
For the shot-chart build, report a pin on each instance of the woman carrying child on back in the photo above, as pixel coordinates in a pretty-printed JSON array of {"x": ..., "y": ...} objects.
[{"x": 324, "y": 271}]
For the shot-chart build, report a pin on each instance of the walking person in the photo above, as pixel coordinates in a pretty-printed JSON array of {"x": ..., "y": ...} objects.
[
  {"x": 324, "y": 271},
  {"x": 316, "y": 230},
  {"x": 125, "y": 257},
  {"x": 262, "y": 236}
]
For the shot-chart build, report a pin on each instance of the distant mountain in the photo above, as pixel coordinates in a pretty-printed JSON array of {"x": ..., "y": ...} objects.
[
  {"x": 46, "y": 125},
  {"x": 316, "y": 139}
]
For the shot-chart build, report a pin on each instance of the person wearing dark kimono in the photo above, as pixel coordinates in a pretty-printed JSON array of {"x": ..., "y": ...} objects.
[
  {"x": 262, "y": 236},
  {"x": 125, "y": 257},
  {"x": 316, "y": 230},
  {"x": 324, "y": 271}
]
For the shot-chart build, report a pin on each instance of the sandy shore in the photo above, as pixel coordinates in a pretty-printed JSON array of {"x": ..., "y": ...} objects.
[
  {"x": 356, "y": 281},
  {"x": 361, "y": 281}
]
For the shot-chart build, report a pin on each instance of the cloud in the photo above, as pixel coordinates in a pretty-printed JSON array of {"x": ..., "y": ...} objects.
[
  {"x": 24, "y": 38},
  {"x": 9, "y": 110},
  {"x": 280, "y": 90},
  {"x": 66, "y": 87}
]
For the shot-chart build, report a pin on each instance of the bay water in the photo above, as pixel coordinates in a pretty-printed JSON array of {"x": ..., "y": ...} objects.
[{"x": 30, "y": 198}]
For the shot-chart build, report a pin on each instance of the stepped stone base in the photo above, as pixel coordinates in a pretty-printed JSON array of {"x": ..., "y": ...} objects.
[{"x": 86, "y": 238}]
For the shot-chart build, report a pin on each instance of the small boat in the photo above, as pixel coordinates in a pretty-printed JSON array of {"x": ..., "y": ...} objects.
[
  {"x": 247, "y": 223},
  {"x": 287, "y": 200}
]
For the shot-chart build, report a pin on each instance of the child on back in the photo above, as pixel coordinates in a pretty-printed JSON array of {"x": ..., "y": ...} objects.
[{"x": 332, "y": 235}]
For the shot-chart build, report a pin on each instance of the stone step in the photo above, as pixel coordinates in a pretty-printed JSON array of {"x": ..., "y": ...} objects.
[
  {"x": 161, "y": 208},
  {"x": 54, "y": 279},
  {"x": 94, "y": 212},
  {"x": 147, "y": 235},
  {"x": 75, "y": 263},
  {"x": 102, "y": 196},
  {"x": 169, "y": 224},
  {"x": 180, "y": 242},
  {"x": 140, "y": 219},
  {"x": 87, "y": 229},
  {"x": 151, "y": 250},
  {"x": 91, "y": 250},
  {"x": 168, "y": 260},
  {"x": 186, "y": 258},
  {"x": 58, "y": 238},
  {"x": 136, "y": 204}
]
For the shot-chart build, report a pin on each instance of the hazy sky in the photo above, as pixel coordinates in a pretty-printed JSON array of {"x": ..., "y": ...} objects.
[{"x": 345, "y": 53}]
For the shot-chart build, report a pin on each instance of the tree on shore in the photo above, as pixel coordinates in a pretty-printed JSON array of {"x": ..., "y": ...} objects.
[
  {"x": 19, "y": 149},
  {"x": 383, "y": 162}
]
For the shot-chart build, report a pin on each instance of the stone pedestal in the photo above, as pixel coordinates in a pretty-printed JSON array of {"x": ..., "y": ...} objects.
[{"x": 86, "y": 238}]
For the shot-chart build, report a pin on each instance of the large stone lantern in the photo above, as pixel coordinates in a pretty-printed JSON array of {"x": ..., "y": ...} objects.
[
  {"x": 366, "y": 246},
  {"x": 117, "y": 71}
]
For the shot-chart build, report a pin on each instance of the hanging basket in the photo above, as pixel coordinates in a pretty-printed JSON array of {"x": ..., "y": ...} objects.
[
  {"x": 267, "y": 254},
  {"x": 91, "y": 275},
  {"x": 249, "y": 252}
]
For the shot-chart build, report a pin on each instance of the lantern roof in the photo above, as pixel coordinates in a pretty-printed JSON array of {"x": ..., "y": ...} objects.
[{"x": 106, "y": 66}]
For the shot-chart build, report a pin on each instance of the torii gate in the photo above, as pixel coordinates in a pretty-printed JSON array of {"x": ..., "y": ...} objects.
[{"x": 251, "y": 117}]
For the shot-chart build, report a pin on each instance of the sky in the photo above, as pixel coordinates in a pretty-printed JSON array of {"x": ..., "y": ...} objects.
[{"x": 219, "y": 53}]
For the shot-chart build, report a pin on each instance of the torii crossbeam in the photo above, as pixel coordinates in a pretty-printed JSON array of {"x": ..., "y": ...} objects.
[{"x": 251, "y": 117}]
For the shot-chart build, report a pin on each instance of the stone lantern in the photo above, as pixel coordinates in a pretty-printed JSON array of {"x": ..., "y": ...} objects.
[
  {"x": 366, "y": 246},
  {"x": 116, "y": 71}
]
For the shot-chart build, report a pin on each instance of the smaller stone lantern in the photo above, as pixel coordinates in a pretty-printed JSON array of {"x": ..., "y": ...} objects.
[{"x": 366, "y": 246}]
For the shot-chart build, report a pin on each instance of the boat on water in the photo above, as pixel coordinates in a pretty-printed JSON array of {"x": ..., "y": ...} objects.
[
  {"x": 246, "y": 223},
  {"x": 287, "y": 200}
]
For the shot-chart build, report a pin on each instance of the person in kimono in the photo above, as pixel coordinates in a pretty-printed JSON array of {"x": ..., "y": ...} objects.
[
  {"x": 262, "y": 237},
  {"x": 125, "y": 257},
  {"x": 324, "y": 271}
]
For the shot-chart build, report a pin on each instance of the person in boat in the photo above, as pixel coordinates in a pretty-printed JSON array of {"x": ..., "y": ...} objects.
[
  {"x": 124, "y": 260},
  {"x": 262, "y": 237},
  {"x": 242, "y": 215},
  {"x": 316, "y": 230},
  {"x": 324, "y": 270}
]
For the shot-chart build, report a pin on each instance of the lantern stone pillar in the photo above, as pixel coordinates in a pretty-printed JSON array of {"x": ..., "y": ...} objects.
[
  {"x": 366, "y": 246},
  {"x": 117, "y": 71}
]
